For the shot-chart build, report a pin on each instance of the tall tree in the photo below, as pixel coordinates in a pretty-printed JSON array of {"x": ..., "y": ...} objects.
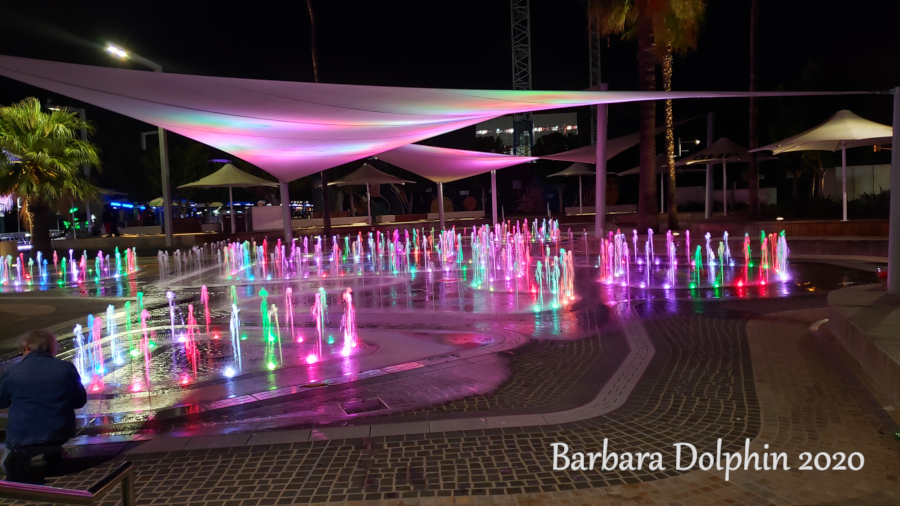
[
  {"x": 680, "y": 32},
  {"x": 660, "y": 27},
  {"x": 636, "y": 18},
  {"x": 41, "y": 154},
  {"x": 326, "y": 198}
]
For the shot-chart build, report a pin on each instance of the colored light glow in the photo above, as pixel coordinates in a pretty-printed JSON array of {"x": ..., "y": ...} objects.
[
  {"x": 271, "y": 366},
  {"x": 330, "y": 339},
  {"x": 215, "y": 336},
  {"x": 136, "y": 387},
  {"x": 185, "y": 380},
  {"x": 228, "y": 372},
  {"x": 311, "y": 358},
  {"x": 345, "y": 351}
]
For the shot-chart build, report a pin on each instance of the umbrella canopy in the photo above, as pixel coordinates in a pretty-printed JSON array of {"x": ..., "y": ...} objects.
[
  {"x": 367, "y": 175},
  {"x": 576, "y": 169},
  {"x": 844, "y": 128},
  {"x": 723, "y": 150},
  {"x": 841, "y": 131},
  {"x": 229, "y": 176}
]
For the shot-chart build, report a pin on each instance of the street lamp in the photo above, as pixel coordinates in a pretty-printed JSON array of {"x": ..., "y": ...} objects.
[
  {"x": 163, "y": 145},
  {"x": 695, "y": 142}
]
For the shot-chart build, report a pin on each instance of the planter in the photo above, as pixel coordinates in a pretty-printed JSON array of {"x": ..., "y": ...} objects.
[{"x": 9, "y": 248}]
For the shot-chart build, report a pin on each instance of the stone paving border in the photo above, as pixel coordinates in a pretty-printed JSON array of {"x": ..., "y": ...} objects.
[{"x": 612, "y": 395}]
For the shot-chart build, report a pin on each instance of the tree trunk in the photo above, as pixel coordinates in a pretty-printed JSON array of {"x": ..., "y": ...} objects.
[
  {"x": 39, "y": 215},
  {"x": 670, "y": 140},
  {"x": 753, "y": 171},
  {"x": 647, "y": 215}
]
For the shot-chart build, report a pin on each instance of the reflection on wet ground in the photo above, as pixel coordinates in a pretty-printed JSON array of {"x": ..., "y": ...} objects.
[{"x": 407, "y": 323}]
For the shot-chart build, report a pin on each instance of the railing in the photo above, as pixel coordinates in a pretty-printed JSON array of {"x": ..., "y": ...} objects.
[{"x": 124, "y": 474}]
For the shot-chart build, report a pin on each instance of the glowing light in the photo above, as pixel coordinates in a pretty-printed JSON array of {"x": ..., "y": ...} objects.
[
  {"x": 136, "y": 387},
  {"x": 134, "y": 353},
  {"x": 228, "y": 372},
  {"x": 215, "y": 336},
  {"x": 300, "y": 339},
  {"x": 95, "y": 387},
  {"x": 345, "y": 351},
  {"x": 312, "y": 358},
  {"x": 740, "y": 283},
  {"x": 330, "y": 339},
  {"x": 271, "y": 366},
  {"x": 185, "y": 380}
]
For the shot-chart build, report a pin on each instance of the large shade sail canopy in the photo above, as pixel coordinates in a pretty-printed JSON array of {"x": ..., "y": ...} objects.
[
  {"x": 292, "y": 129},
  {"x": 841, "y": 131},
  {"x": 844, "y": 128},
  {"x": 368, "y": 175},
  {"x": 229, "y": 175},
  {"x": 444, "y": 165}
]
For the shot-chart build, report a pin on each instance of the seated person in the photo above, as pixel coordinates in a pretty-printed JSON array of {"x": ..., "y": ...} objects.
[{"x": 42, "y": 393}]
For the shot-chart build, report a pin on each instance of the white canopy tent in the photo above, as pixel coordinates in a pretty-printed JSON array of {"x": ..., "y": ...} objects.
[
  {"x": 722, "y": 151},
  {"x": 841, "y": 131},
  {"x": 368, "y": 175},
  {"x": 231, "y": 177},
  {"x": 576, "y": 169}
]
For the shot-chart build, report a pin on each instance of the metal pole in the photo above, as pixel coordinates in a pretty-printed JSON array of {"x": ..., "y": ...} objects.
[
  {"x": 894, "y": 223},
  {"x": 724, "y": 189},
  {"x": 441, "y": 203},
  {"x": 600, "y": 185},
  {"x": 844, "y": 176},
  {"x": 286, "y": 214},
  {"x": 710, "y": 124},
  {"x": 662, "y": 194},
  {"x": 369, "y": 203},
  {"x": 231, "y": 203},
  {"x": 580, "y": 201},
  {"x": 494, "y": 214}
]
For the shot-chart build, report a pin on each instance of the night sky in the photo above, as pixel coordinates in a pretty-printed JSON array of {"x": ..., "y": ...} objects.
[{"x": 464, "y": 44}]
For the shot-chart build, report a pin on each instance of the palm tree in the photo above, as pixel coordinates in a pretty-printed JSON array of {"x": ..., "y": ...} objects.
[
  {"x": 681, "y": 28},
  {"x": 656, "y": 24},
  {"x": 44, "y": 168}
]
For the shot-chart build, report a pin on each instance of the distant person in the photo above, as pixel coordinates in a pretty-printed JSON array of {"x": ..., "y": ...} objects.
[
  {"x": 110, "y": 221},
  {"x": 148, "y": 217},
  {"x": 42, "y": 393}
]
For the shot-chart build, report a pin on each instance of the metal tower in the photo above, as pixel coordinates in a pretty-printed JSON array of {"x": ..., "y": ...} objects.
[
  {"x": 523, "y": 126},
  {"x": 594, "y": 41}
]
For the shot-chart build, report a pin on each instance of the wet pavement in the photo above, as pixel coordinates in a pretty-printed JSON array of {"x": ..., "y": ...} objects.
[{"x": 432, "y": 348}]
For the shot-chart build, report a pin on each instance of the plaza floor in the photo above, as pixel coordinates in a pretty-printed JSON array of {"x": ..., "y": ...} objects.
[{"x": 469, "y": 416}]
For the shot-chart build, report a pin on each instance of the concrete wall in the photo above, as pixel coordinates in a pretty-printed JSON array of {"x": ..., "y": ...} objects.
[{"x": 860, "y": 179}]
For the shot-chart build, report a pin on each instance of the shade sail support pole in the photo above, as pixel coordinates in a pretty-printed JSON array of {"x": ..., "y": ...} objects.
[
  {"x": 724, "y": 189},
  {"x": 231, "y": 203},
  {"x": 710, "y": 125},
  {"x": 494, "y": 214},
  {"x": 894, "y": 222},
  {"x": 662, "y": 194},
  {"x": 166, "y": 186},
  {"x": 844, "y": 177},
  {"x": 441, "y": 204},
  {"x": 600, "y": 184},
  {"x": 286, "y": 215}
]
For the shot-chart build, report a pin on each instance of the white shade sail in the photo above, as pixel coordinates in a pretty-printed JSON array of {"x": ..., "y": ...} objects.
[
  {"x": 292, "y": 129},
  {"x": 576, "y": 169}
]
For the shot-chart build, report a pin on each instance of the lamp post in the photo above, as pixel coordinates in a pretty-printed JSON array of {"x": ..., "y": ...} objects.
[{"x": 163, "y": 144}]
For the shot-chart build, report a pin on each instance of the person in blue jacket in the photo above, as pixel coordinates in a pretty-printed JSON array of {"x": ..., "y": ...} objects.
[{"x": 42, "y": 393}]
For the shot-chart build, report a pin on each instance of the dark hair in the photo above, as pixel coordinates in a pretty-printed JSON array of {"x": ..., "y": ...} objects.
[{"x": 40, "y": 340}]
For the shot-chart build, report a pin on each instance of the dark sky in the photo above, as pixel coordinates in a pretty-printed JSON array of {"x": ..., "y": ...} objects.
[{"x": 458, "y": 43}]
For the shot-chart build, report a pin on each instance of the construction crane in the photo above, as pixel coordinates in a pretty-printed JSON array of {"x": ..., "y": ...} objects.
[{"x": 523, "y": 125}]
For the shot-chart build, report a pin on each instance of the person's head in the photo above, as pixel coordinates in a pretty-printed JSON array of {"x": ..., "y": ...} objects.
[{"x": 40, "y": 340}]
